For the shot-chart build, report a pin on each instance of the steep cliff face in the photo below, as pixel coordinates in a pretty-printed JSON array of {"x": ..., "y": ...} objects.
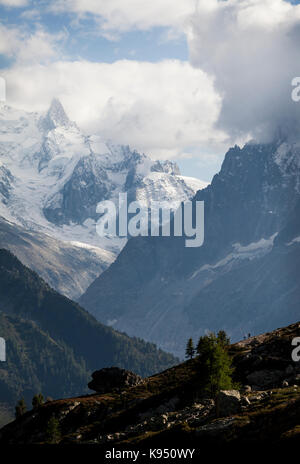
[
  {"x": 243, "y": 279},
  {"x": 6, "y": 180}
]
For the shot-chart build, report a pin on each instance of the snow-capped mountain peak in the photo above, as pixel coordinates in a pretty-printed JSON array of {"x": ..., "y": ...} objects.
[
  {"x": 56, "y": 116},
  {"x": 54, "y": 175}
]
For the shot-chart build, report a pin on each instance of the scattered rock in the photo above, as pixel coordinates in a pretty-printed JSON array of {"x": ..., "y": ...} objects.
[
  {"x": 245, "y": 402},
  {"x": 247, "y": 389},
  {"x": 228, "y": 402},
  {"x": 260, "y": 395},
  {"x": 216, "y": 427}
]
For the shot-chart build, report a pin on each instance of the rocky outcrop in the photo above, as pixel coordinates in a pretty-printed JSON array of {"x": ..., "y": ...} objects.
[
  {"x": 113, "y": 378},
  {"x": 265, "y": 361}
]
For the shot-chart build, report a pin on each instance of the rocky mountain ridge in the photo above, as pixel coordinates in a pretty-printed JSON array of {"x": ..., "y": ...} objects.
[{"x": 243, "y": 279}]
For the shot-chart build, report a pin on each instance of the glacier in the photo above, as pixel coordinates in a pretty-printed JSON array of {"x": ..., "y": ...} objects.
[{"x": 52, "y": 176}]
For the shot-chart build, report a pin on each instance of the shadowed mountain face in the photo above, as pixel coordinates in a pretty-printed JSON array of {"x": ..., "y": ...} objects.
[
  {"x": 52, "y": 344},
  {"x": 243, "y": 279}
]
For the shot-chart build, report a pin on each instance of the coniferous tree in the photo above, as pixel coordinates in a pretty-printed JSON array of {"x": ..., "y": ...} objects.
[
  {"x": 53, "y": 433},
  {"x": 37, "y": 400},
  {"x": 220, "y": 370},
  {"x": 215, "y": 364},
  {"x": 223, "y": 338},
  {"x": 205, "y": 341},
  {"x": 190, "y": 350},
  {"x": 20, "y": 408},
  {"x": 203, "y": 345}
]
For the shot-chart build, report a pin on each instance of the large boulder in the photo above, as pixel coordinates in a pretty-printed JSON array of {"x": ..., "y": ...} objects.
[
  {"x": 113, "y": 379},
  {"x": 228, "y": 402}
]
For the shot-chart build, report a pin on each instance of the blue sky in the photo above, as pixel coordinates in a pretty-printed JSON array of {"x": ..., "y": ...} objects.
[
  {"x": 84, "y": 40},
  {"x": 155, "y": 75}
]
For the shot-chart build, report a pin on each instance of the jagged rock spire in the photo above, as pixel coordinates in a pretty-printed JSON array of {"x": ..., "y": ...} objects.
[{"x": 56, "y": 115}]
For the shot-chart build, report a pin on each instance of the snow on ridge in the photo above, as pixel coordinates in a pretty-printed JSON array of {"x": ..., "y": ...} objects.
[
  {"x": 105, "y": 255},
  {"x": 287, "y": 154},
  {"x": 240, "y": 252},
  {"x": 287, "y": 158},
  {"x": 295, "y": 240},
  {"x": 194, "y": 183},
  {"x": 254, "y": 247}
]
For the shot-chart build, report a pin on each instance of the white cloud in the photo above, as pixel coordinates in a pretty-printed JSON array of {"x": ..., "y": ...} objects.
[
  {"x": 161, "y": 108},
  {"x": 251, "y": 47},
  {"x": 115, "y": 16},
  {"x": 35, "y": 47},
  {"x": 10, "y": 40},
  {"x": 40, "y": 46},
  {"x": 14, "y": 3},
  {"x": 243, "y": 54}
]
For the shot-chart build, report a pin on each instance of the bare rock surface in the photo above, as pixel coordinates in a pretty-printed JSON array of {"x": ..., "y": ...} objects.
[
  {"x": 229, "y": 402},
  {"x": 113, "y": 378}
]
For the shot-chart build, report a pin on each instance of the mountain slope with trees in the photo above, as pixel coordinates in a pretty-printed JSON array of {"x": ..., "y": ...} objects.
[{"x": 53, "y": 345}]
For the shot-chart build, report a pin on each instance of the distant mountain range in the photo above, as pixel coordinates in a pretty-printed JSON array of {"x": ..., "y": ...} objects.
[
  {"x": 245, "y": 278},
  {"x": 53, "y": 345},
  {"x": 52, "y": 176}
]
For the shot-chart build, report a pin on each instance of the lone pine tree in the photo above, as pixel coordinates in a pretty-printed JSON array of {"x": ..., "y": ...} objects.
[
  {"x": 215, "y": 363},
  {"x": 190, "y": 350}
]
